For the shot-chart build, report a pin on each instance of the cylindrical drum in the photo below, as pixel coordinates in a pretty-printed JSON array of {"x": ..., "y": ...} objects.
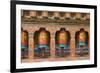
[
  {"x": 24, "y": 44},
  {"x": 82, "y": 42},
  {"x": 62, "y": 40},
  {"x": 42, "y": 43}
]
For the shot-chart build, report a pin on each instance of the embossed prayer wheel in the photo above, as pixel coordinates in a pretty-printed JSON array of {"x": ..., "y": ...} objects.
[
  {"x": 62, "y": 41},
  {"x": 42, "y": 43},
  {"x": 24, "y": 44},
  {"x": 82, "y": 41}
]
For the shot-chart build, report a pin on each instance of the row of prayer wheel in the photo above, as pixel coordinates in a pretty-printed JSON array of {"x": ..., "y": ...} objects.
[{"x": 62, "y": 43}]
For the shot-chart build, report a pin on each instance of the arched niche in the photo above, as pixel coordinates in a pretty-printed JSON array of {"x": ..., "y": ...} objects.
[{"x": 42, "y": 43}]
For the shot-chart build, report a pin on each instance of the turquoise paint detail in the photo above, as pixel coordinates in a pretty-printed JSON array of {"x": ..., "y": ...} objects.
[
  {"x": 24, "y": 47},
  {"x": 82, "y": 43}
]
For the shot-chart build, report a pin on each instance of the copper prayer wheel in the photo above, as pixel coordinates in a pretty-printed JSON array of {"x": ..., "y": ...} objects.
[
  {"x": 62, "y": 41},
  {"x": 42, "y": 43},
  {"x": 81, "y": 40},
  {"x": 24, "y": 44}
]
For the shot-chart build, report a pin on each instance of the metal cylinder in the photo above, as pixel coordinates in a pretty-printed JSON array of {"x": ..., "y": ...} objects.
[
  {"x": 82, "y": 42},
  {"x": 24, "y": 43},
  {"x": 42, "y": 47},
  {"x": 62, "y": 39}
]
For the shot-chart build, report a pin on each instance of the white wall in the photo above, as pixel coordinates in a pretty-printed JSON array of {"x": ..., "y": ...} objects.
[{"x": 5, "y": 36}]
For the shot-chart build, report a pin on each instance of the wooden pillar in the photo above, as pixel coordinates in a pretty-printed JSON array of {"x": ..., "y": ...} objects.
[
  {"x": 72, "y": 44},
  {"x": 52, "y": 45},
  {"x": 31, "y": 46}
]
